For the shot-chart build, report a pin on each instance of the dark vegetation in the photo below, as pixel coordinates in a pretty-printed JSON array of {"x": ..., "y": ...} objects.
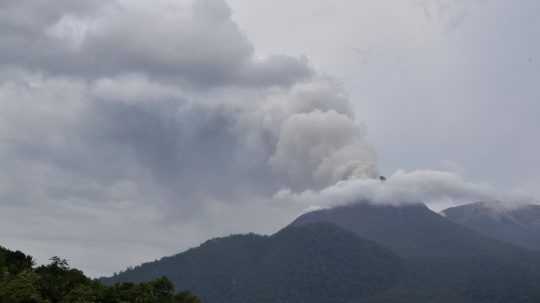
[
  {"x": 22, "y": 282},
  {"x": 312, "y": 263},
  {"x": 359, "y": 253}
]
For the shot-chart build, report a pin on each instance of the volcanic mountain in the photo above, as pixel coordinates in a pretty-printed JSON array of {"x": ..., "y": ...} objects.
[
  {"x": 410, "y": 230},
  {"x": 361, "y": 253}
]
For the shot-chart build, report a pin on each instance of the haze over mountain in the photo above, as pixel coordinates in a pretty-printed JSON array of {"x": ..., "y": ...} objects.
[{"x": 519, "y": 225}]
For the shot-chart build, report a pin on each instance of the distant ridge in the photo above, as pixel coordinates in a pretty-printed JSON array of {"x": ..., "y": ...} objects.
[{"x": 517, "y": 225}]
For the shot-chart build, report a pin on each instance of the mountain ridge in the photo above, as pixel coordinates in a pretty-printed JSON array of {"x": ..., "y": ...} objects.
[
  {"x": 411, "y": 230},
  {"x": 518, "y": 225}
]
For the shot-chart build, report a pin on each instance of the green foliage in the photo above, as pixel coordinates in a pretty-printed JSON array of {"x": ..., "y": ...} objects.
[
  {"x": 186, "y": 297},
  {"x": 82, "y": 294},
  {"x": 13, "y": 262},
  {"x": 57, "y": 279},
  {"x": 22, "y": 288},
  {"x": 58, "y": 283}
]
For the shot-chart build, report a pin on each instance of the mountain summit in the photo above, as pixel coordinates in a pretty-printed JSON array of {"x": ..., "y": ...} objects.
[{"x": 410, "y": 230}]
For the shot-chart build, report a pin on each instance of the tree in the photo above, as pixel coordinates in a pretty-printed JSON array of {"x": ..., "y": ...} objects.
[
  {"x": 186, "y": 297},
  {"x": 13, "y": 263},
  {"x": 162, "y": 290},
  {"x": 58, "y": 279},
  {"x": 56, "y": 282},
  {"x": 23, "y": 288},
  {"x": 82, "y": 294}
]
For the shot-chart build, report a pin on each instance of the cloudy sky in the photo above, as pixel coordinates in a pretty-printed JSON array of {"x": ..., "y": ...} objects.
[{"x": 134, "y": 129}]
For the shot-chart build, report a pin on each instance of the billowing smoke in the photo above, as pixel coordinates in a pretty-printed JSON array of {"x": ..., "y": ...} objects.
[{"x": 153, "y": 118}]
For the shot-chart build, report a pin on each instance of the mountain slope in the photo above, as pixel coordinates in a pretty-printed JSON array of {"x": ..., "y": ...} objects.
[
  {"x": 519, "y": 226},
  {"x": 443, "y": 261},
  {"x": 314, "y": 260},
  {"x": 410, "y": 230},
  {"x": 310, "y": 263}
]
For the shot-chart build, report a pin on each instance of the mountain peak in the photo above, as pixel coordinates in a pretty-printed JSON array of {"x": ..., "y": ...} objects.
[{"x": 410, "y": 230}]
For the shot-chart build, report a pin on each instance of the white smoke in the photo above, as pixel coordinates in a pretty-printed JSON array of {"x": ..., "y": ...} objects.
[
  {"x": 437, "y": 189},
  {"x": 322, "y": 147}
]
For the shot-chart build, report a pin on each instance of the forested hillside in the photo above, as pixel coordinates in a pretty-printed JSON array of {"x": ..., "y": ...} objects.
[
  {"x": 22, "y": 282},
  {"x": 315, "y": 263}
]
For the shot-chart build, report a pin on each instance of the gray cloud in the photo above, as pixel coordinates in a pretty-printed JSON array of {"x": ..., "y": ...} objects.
[
  {"x": 194, "y": 42},
  {"x": 126, "y": 120}
]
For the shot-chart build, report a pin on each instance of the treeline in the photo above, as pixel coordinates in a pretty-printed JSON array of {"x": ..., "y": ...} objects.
[{"x": 22, "y": 282}]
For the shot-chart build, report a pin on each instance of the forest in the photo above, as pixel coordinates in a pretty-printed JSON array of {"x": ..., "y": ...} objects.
[{"x": 21, "y": 281}]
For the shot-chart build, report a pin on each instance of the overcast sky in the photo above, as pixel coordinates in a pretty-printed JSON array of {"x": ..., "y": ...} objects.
[
  {"x": 134, "y": 129},
  {"x": 436, "y": 81}
]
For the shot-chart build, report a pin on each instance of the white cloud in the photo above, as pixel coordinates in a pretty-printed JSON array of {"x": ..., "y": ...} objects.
[{"x": 437, "y": 189}]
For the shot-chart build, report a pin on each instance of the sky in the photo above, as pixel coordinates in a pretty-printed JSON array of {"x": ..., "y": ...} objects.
[{"x": 135, "y": 129}]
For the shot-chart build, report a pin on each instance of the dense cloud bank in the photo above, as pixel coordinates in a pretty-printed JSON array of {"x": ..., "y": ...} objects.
[
  {"x": 157, "y": 113},
  {"x": 195, "y": 43}
]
